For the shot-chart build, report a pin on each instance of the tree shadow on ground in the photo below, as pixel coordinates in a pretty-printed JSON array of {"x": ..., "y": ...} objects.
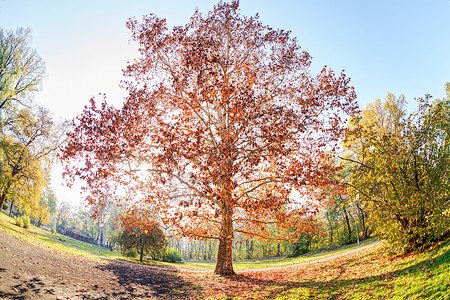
[
  {"x": 33, "y": 286},
  {"x": 6, "y": 295},
  {"x": 273, "y": 287},
  {"x": 142, "y": 281}
]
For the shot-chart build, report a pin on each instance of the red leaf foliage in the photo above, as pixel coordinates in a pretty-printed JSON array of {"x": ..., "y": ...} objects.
[{"x": 221, "y": 122}]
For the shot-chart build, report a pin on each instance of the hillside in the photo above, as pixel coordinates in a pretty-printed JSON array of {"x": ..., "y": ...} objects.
[{"x": 32, "y": 266}]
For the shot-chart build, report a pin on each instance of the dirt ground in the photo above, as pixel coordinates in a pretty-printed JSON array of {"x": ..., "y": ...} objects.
[{"x": 28, "y": 271}]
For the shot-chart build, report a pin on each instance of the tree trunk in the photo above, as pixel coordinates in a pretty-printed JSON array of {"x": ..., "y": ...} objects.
[
  {"x": 209, "y": 250},
  {"x": 331, "y": 235},
  {"x": 2, "y": 200},
  {"x": 5, "y": 191},
  {"x": 348, "y": 225},
  {"x": 11, "y": 207},
  {"x": 224, "y": 265},
  {"x": 363, "y": 221},
  {"x": 141, "y": 254},
  {"x": 331, "y": 227}
]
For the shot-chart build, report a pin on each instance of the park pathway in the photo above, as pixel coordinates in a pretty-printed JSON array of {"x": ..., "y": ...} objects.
[{"x": 313, "y": 261}]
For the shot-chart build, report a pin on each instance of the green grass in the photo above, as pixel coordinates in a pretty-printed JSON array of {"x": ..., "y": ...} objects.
[
  {"x": 8, "y": 224},
  {"x": 82, "y": 245},
  {"x": 94, "y": 249},
  {"x": 280, "y": 261},
  {"x": 366, "y": 274},
  {"x": 5, "y": 221},
  {"x": 257, "y": 264},
  {"x": 285, "y": 261},
  {"x": 374, "y": 275}
]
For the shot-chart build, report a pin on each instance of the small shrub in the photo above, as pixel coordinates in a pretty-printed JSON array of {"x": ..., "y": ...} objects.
[
  {"x": 53, "y": 230},
  {"x": 130, "y": 253},
  {"x": 171, "y": 255},
  {"x": 23, "y": 221},
  {"x": 297, "y": 251},
  {"x": 26, "y": 221},
  {"x": 19, "y": 221}
]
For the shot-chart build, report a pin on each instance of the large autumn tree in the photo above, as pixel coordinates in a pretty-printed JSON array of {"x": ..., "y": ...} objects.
[{"x": 222, "y": 121}]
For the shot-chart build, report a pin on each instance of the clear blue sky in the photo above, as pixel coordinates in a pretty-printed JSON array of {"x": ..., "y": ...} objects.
[{"x": 401, "y": 47}]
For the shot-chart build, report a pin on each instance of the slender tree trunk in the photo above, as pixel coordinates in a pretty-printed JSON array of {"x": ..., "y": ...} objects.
[
  {"x": 224, "y": 265},
  {"x": 247, "y": 249},
  {"x": 11, "y": 207},
  {"x": 98, "y": 235},
  {"x": 141, "y": 254},
  {"x": 363, "y": 224},
  {"x": 5, "y": 191},
  {"x": 348, "y": 224},
  {"x": 209, "y": 250},
  {"x": 2, "y": 200},
  {"x": 363, "y": 221},
  {"x": 331, "y": 227}
]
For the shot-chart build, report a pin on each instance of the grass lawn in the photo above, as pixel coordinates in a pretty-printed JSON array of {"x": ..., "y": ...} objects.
[
  {"x": 366, "y": 274},
  {"x": 280, "y": 261},
  {"x": 312, "y": 255},
  {"x": 372, "y": 274},
  {"x": 9, "y": 224},
  {"x": 82, "y": 245},
  {"x": 238, "y": 265},
  {"x": 33, "y": 237}
]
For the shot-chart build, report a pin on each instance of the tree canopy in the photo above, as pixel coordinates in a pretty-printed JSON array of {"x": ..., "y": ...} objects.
[
  {"x": 27, "y": 145},
  {"x": 21, "y": 68},
  {"x": 222, "y": 121},
  {"x": 142, "y": 235},
  {"x": 399, "y": 166}
]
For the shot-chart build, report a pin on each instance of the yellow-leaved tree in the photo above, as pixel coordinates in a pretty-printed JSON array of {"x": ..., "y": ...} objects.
[{"x": 400, "y": 167}]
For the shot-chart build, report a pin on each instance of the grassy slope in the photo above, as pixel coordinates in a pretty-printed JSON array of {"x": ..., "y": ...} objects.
[
  {"x": 82, "y": 245},
  {"x": 240, "y": 265},
  {"x": 367, "y": 274},
  {"x": 281, "y": 261},
  {"x": 372, "y": 274},
  {"x": 33, "y": 237}
]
